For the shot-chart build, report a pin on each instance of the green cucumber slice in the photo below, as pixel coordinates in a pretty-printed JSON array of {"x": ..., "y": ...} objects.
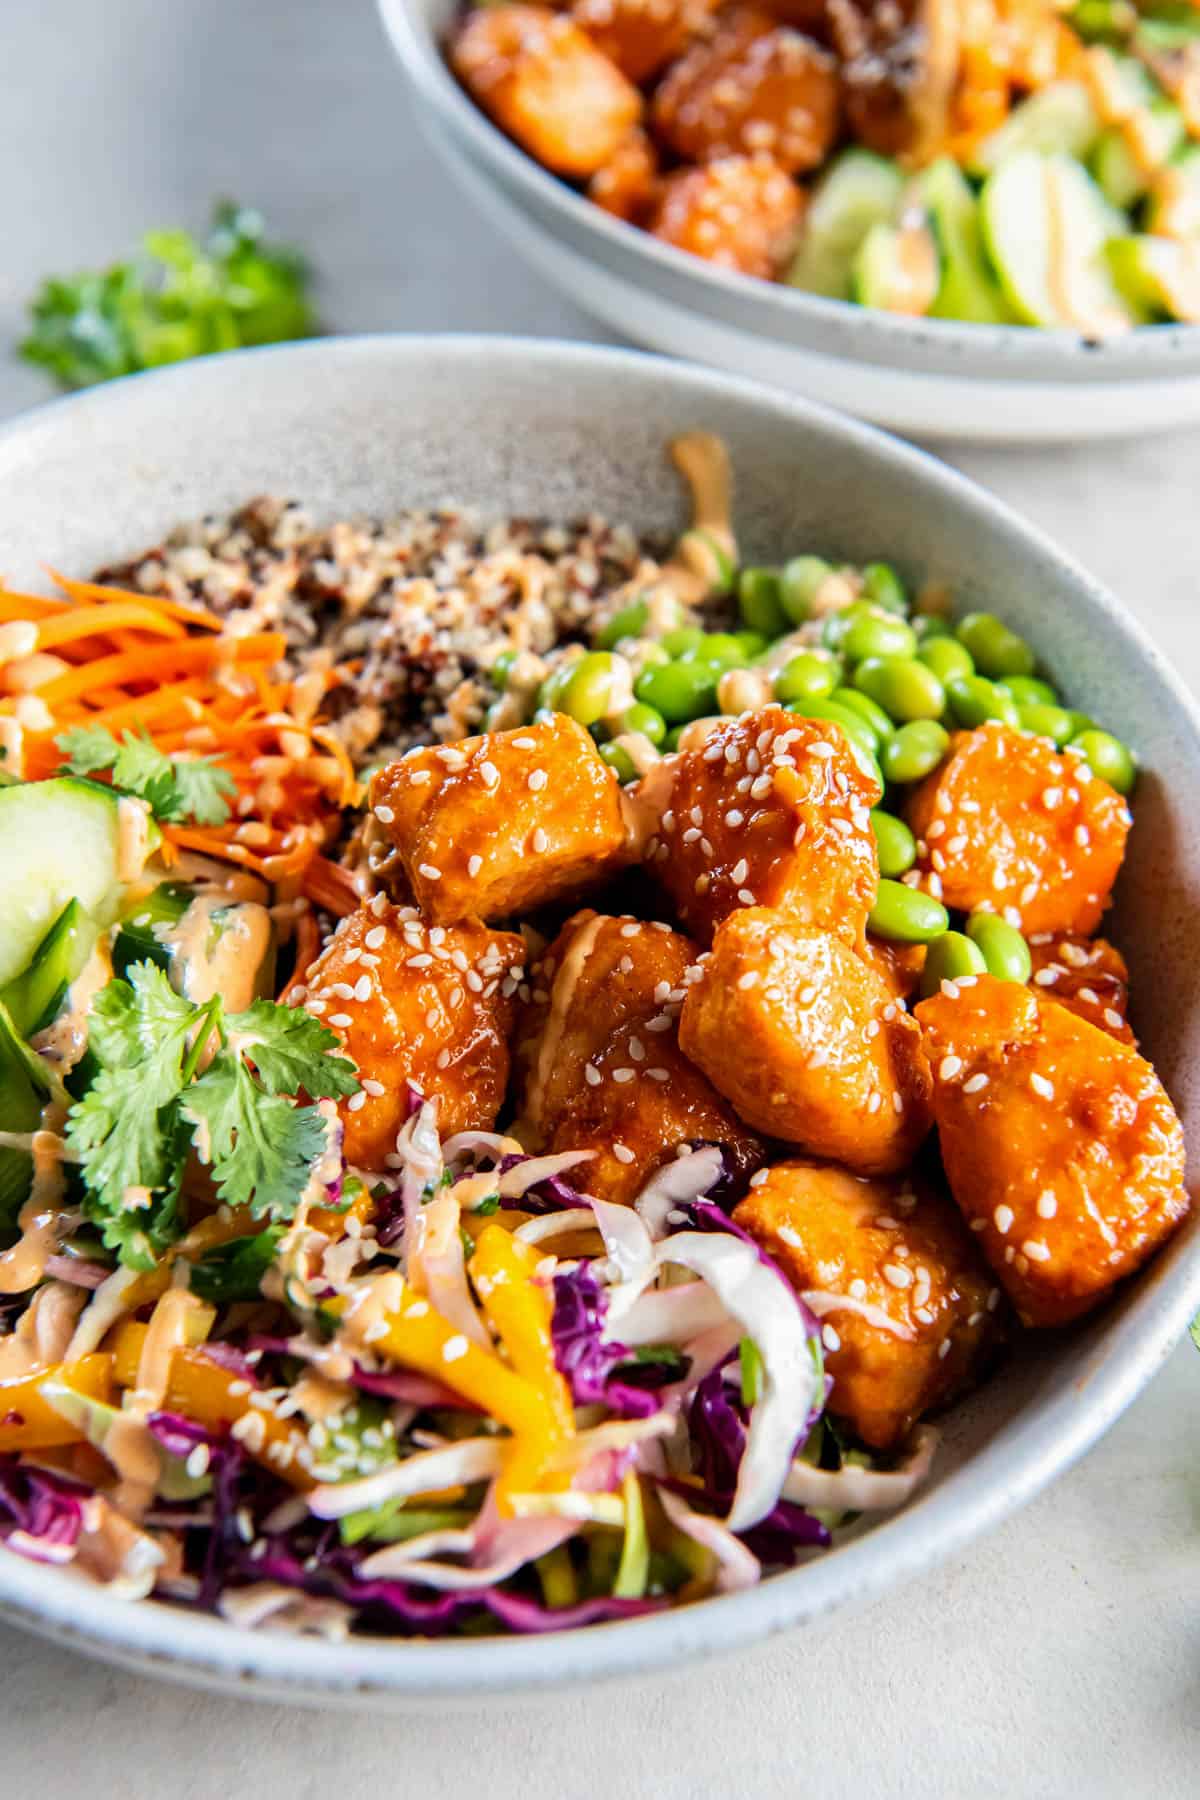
[
  {"x": 25, "y": 1086},
  {"x": 1045, "y": 224},
  {"x": 1122, "y": 176},
  {"x": 968, "y": 289},
  {"x": 60, "y": 840},
  {"x": 1173, "y": 207},
  {"x": 136, "y": 940},
  {"x": 34, "y": 998},
  {"x": 1058, "y": 119},
  {"x": 857, "y": 191},
  {"x": 1159, "y": 275},
  {"x": 896, "y": 269}
]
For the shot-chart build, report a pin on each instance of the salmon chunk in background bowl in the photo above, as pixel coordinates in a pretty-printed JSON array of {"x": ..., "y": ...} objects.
[
  {"x": 962, "y": 221},
  {"x": 535, "y": 939}
]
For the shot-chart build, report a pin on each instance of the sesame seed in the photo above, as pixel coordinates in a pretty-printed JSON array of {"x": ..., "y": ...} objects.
[
  {"x": 384, "y": 814},
  {"x": 750, "y": 979},
  {"x": 896, "y": 1276},
  {"x": 1112, "y": 1017},
  {"x": 537, "y": 780},
  {"x": 662, "y": 1075},
  {"x": 734, "y": 818},
  {"x": 897, "y": 1102},
  {"x": 1083, "y": 836},
  {"x": 374, "y": 1088},
  {"x": 1047, "y": 977},
  {"x": 1041, "y": 1086},
  {"x": 739, "y": 872},
  {"x": 631, "y": 929},
  {"x": 490, "y": 774},
  {"x": 949, "y": 1067},
  {"x": 830, "y": 1338},
  {"x": 993, "y": 1299},
  {"x": 540, "y": 841},
  {"x": 356, "y": 1102},
  {"x": 943, "y": 1349},
  {"x": 429, "y": 872},
  {"x": 637, "y": 1049},
  {"x": 454, "y": 1348},
  {"x": 375, "y": 938},
  {"x": 362, "y": 988},
  {"x": 923, "y": 1313},
  {"x": 746, "y": 897},
  {"x": 623, "y": 1075},
  {"x": 591, "y": 1075},
  {"x": 622, "y": 1153},
  {"x": 1035, "y": 1250},
  {"x": 1002, "y": 1218},
  {"x": 524, "y": 743},
  {"x": 975, "y": 1084},
  {"x": 1047, "y": 1204},
  {"x": 341, "y": 1020}
]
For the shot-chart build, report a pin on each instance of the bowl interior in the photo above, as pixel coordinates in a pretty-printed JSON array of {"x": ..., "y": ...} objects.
[{"x": 382, "y": 424}]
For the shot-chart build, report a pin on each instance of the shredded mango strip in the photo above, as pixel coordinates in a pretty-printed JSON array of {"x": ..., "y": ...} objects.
[
  {"x": 28, "y": 1422},
  {"x": 331, "y": 1221},
  {"x": 518, "y": 1309}
]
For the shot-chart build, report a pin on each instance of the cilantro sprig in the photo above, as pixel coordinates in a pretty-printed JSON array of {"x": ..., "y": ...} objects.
[
  {"x": 151, "y": 1105},
  {"x": 175, "y": 788}
]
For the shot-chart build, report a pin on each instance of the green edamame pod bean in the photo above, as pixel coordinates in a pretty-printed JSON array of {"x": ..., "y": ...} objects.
[
  {"x": 947, "y": 958},
  {"x": 549, "y": 695},
  {"x": 974, "y": 700},
  {"x": 996, "y": 649},
  {"x": 760, "y": 603},
  {"x": 914, "y": 751},
  {"x": 719, "y": 649},
  {"x": 587, "y": 692},
  {"x": 932, "y": 625},
  {"x": 619, "y": 761},
  {"x": 805, "y": 677},
  {"x": 883, "y": 587},
  {"x": 753, "y": 645},
  {"x": 1108, "y": 758},
  {"x": 670, "y": 743},
  {"x": 895, "y": 843},
  {"x": 905, "y": 688},
  {"x": 681, "y": 638},
  {"x": 1029, "y": 690},
  {"x": 630, "y": 622},
  {"x": 1003, "y": 948},
  {"x": 906, "y": 915},
  {"x": 502, "y": 668},
  {"x": 946, "y": 657},
  {"x": 878, "y": 635},
  {"x": 678, "y": 690},
  {"x": 798, "y": 582},
  {"x": 646, "y": 719},
  {"x": 859, "y": 736},
  {"x": 1048, "y": 721},
  {"x": 1082, "y": 723},
  {"x": 871, "y": 714}
]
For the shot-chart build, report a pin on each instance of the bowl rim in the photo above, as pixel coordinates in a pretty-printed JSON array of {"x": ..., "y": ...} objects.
[
  {"x": 1033, "y": 1449},
  {"x": 1030, "y": 354}
]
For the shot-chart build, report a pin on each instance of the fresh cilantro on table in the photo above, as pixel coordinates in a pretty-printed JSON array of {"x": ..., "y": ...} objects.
[
  {"x": 151, "y": 1105},
  {"x": 174, "y": 299},
  {"x": 175, "y": 788}
]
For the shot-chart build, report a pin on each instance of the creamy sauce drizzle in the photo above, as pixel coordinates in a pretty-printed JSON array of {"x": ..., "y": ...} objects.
[
  {"x": 23, "y": 1265},
  {"x": 219, "y": 956},
  {"x": 566, "y": 979},
  {"x": 133, "y": 837},
  {"x": 64, "y": 1041}
]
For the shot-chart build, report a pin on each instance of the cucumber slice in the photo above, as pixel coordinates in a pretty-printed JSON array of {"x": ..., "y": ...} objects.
[
  {"x": 1124, "y": 177},
  {"x": 1159, "y": 275},
  {"x": 857, "y": 191},
  {"x": 1045, "y": 223},
  {"x": 896, "y": 269},
  {"x": 136, "y": 940},
  {"x": 25, "y": 1086},
  {"x": 1058, "y": 119},
  {"x": 968, "y": 289},
  {"x": 60, "y": 840},
  {"x": 1173, "y": 208},
  {"x": 34, "y": 998},
  {"x": 191, "y": 950}
]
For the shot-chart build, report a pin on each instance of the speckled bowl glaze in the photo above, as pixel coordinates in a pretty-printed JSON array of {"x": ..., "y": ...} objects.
[
  {"x": 375, "y": 424},
  {"x": 928, "y": 377}
]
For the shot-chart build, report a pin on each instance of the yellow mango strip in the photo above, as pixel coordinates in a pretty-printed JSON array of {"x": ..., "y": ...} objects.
[
  {"x": 519, "y": 1310},
  {"x": 29, "y": 1422},
  {"x": 330, "y": 1221}
]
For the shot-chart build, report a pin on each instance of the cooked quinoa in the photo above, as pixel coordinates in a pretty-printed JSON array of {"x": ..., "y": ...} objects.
[{"x": 411, "y": 611}]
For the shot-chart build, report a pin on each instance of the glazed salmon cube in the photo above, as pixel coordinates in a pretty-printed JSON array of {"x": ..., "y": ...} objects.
[
  {"x": 742, "y": 212},
  {"x": 642, "y": 36},
  {"x": 602, "y": 972},
  {"x": 1086, "y": 974},
  {"x": 627, "y": 185},
  {"x": 494, "y": 825},
  {"x": 546, "y": 84},
  {"x": 1059, "y": 1142},
  {"x": 806, "y": 1040},
  {"x": 412, "y": 1003},
  {"x": 909, "y": 1307},
  {"x": 753, "y": 87},
  {"x": 641, "y": 1105},
  {"x": 1010, "y": 824},
  {"x": 771, "y": 811}
]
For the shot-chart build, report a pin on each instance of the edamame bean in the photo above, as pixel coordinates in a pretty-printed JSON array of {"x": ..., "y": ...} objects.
[
  {"x": 974, "y": 700},
  {"x": 645, "y": 719},
  {"x": 873, "y": 716},
  {"x": 759, "y": 602},
  {"x": 1028, "y": 690},
  {"x": 914, "y": 751},
  {"x": 619, "y": 761},
  {"x": 1004, "y": 950},
  {"x": 798, "y": 582},
  {"x": 858, "y": 734},
  {"x": 947, "y": 958},
  {"x": 932, "y": 625},
  {"x": 587, "y": 692},
  {"x": 1048, "y": 721},
  {"x": 753, "y": 645},
  {"x": 895, "y": 843},
  {"x": 883, "y": 587},
  {"x": 670, "y": 743},
  {"x": 805, "y": 677},
  {"x": 719, "y": 649},
  {"x": 678, "y": 690},
  {"x": 549, "y": 695},
  {"x": 905, "y": 688},
  {"x": 681, "y": 638},
  {"x": 1108, "y": 758},
  {"x": 906, "y": 915},
  {"x": 502, "y": 668},
  {"x": 946, "y": 657},
  {"x": 878, "y": 635},
  {"x": 630, "y": 622},
  {"x": 996, "y": 649}
]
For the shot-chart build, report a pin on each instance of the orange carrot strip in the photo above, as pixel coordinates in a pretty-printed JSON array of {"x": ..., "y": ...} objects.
[
  {"x": 90, "y": 621},
  {"x": 148, "y": 710},
  {"x": 163, "y": 661},
  {"x": 28, "y": 606},
  {"x": 173, "y": 609},
  {"x": 330, "y": 886}
]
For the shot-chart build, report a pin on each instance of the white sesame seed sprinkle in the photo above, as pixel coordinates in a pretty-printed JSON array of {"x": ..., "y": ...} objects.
[
  {"x": 1002, "y": 1218},
  {"x": 384, "y": 814}
]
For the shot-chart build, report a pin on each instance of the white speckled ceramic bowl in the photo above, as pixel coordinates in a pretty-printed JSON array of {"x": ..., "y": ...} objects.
[
  {"x": 928, "y": 377},
  {"x": 513, "y": 427}
]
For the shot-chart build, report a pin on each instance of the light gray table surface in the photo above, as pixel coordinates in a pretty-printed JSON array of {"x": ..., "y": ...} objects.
[{"x": 1060, "y": 1657}]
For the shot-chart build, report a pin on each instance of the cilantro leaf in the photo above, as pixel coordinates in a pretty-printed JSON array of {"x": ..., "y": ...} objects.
[
  {"x": 89, "y": 749},
  {"x": 133, "y": 1153},
  {"x": 204, "y": 790},
  {"x": 234, "y": 1271},
  {"x": 261, "y": 1146},
  {"x": 142, "y": 768},
  {"x": 1194, "y": 1331},
  {"x": 292, "y": 1050}
]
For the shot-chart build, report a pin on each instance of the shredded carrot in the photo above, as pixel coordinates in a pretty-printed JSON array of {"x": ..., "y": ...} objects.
[
  {"x": 28, "y": 606},
  {"x": 90, "y": 621},
  {"x": 328, "y": 885},
  {"x": 172, "y": 609},
  {"x": 163, "y": 661}
]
